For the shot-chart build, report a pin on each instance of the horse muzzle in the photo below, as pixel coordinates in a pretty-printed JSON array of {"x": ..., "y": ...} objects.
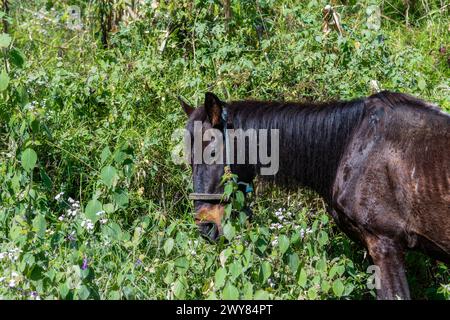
[{"x": 209, "y": 221}]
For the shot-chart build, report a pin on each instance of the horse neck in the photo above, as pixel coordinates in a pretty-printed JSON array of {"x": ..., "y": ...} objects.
[{"x": 312, "y": 138}]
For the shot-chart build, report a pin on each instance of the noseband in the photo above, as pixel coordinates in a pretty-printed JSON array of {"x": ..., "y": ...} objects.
[{"x": 219, "y": 196}]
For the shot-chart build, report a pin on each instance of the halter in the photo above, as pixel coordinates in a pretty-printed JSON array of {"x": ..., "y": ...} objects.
[{"x": 219, "y": 196}]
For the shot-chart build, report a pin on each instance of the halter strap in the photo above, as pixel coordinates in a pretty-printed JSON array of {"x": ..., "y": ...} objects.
[
  {"x": 205, "y": 196},
  {"x": 227, "y": 138},
  {"x": 228, "y": 162}
]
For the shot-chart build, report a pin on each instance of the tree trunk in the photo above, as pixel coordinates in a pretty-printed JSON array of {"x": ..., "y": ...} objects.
[
  {"x": 227, "y": 9},
  {"x": 5, "y": 9}
]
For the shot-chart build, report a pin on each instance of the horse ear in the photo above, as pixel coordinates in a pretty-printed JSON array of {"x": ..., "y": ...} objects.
[
  {"x": 213, "y": 107},
  {"x": 186, "y": 107}
]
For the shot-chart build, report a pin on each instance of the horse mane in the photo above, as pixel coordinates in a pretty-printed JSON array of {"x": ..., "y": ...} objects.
[
  {"x": 394, "y": 99},
  {"x": 313, "y": 137}
]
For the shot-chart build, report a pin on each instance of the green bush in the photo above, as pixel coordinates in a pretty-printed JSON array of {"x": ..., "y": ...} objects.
[{"x": 91, "y": 204}]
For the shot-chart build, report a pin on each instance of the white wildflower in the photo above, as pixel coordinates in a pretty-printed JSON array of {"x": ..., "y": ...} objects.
[
  {"x": 302, "y": 233},
  {"x": 87, "y": 224},
  {"x": 13, "y": 254},
  {"x": 276, "y": 226},
  {"x": 34, "y": 295},
  {"x": 374, "y": 86},
  {"x": 12, "y": 283},
  {"x": 59, "y": 195}
]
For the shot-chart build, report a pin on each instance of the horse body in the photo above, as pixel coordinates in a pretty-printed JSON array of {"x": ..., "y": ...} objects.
[
  {"x": 392, "y": 188},
  {"x": 382, "y": 164}
]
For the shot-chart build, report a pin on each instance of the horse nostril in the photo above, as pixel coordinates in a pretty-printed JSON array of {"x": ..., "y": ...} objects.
[{"x": 209, "y": 230}]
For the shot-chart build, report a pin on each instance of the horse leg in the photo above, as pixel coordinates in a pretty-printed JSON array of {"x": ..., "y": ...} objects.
[{"x": 389, "y": 257}]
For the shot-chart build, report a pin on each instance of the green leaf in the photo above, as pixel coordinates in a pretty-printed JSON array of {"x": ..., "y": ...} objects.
[
  {"x": 212, "y": 296},
  {"x": 4, "y": 81},
  {"x": 422, "y": 84},
  {"x": 39, "y": 225},
  {"x": 338, "y": 287},
  {"x": 228, "y": 210},
  {"x": 229, "y": 231},
  {"x": 325, "y": 286},
  {"x": 230, "y": 292},
  {"x": 119, "y": 156},
  {"x": 168, "y": 246},
  {"x": 83, "y": 292},
  {"x": 293, "y": 262},
  {"x": 5, "y": 40},
  {"x": 240, "y": 198},
  {"x": 340, "y": 269},
  {"x": 179, "y": 290},
  {"x": 29, "y": 158},
  {"x": 228, "y": 190},
  {"x": 265, "y": 271},
  {"x": 16, "y": 57},
  {"x": 219, "y": 277},
  {"x": 332, "y": 271},
  {"x": 235, "y": 270},
  {"x": 22, "y": 96},
  {"x": 321, "y": 265},
  {"x": 121, "y": 198},
  {"x": 114, "y": 295},
  {"x": 63, "y": 290},
  {"x": 348, "y": 289},
  {"x": 109, "y": 208},
  {"x": 92, "y": 208},
  {"x": 46, "y": 179},
  {"x": 261, "y": 295},
  {"x": 109, "y": 176},
  {"x": 182, "y": 265},
  {"x": 323, "y": 238},
  {"x": 312, "y": 293},
  {"x": 283, "y": 243},
  {"x": 106, "y": 153},
  {"x": 302, "y": 278},
  {"x": 248, "y": 291}
]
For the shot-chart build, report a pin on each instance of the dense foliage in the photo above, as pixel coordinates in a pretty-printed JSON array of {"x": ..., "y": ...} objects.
[{"x": 91, "y": 203}]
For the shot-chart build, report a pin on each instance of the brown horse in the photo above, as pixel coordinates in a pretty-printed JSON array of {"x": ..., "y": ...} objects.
[{"x": 381, "y": 163}]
